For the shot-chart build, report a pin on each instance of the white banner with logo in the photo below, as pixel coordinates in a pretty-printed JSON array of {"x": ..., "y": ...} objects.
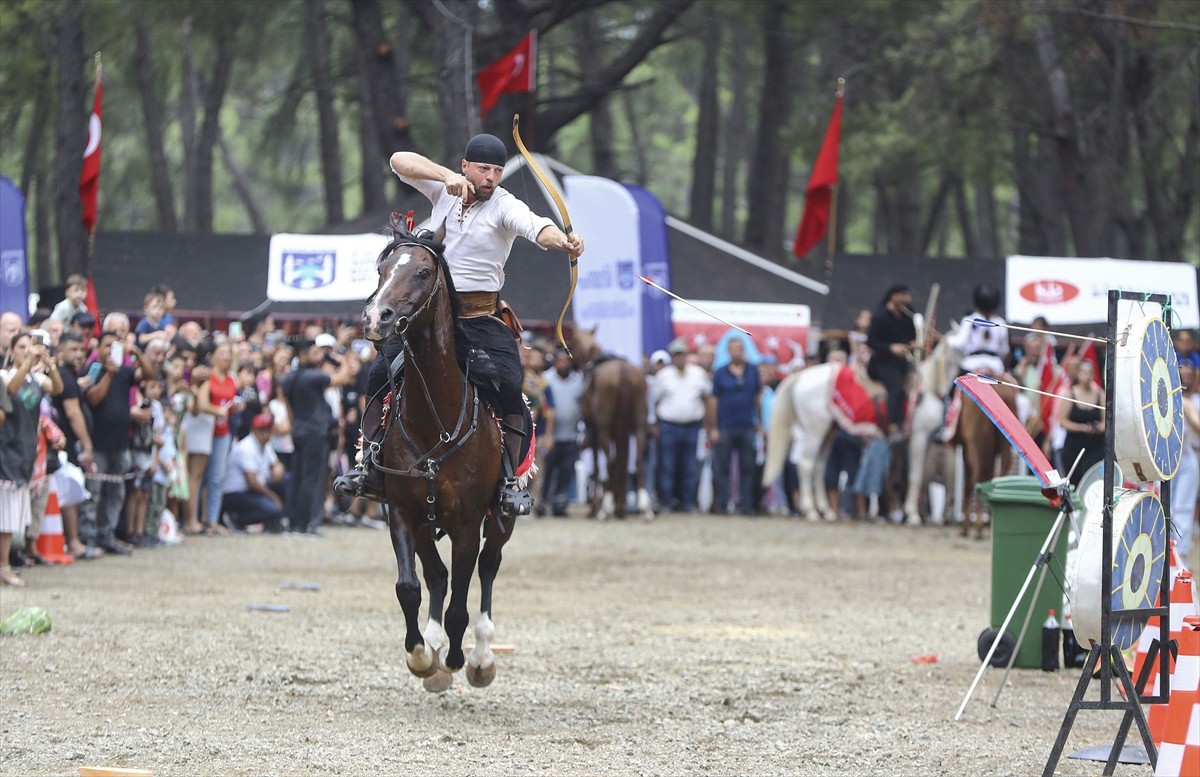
[
  {"x": 1075, "y": 291},
  {"x": 776, "y": 329},
  {"x": 609, "y": 295},
  {"x": 312, "y": 268}
]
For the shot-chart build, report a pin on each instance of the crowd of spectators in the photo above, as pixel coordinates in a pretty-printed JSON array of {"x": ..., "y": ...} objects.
[{"x": 164, "y": 430}]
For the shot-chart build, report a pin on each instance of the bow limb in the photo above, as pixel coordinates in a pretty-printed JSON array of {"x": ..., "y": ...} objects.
[{"x": 552, "y": 190}]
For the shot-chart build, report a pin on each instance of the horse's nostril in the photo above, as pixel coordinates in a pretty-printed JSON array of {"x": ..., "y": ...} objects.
[{"x": 386, "y": 314}]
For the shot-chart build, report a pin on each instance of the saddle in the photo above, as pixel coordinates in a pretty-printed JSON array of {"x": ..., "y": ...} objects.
[{"x": 859, "y": 404}]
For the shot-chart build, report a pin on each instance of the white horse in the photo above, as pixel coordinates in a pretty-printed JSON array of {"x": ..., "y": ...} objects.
[{"x": 803, "y": 402}]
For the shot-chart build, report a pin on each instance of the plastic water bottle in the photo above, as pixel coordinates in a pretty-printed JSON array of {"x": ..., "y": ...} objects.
[
  {"x": 1070, "y": 648},
  {"x": 1051, "y": 637}
]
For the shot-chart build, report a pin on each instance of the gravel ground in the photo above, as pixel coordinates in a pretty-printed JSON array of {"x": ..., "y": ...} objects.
[{"x": 690, "y": 645}]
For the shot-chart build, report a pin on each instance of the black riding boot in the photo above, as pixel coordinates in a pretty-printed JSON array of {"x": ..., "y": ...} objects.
[
  {"x": 365, "y": 480},
  {"x": 514, "y": 499}
]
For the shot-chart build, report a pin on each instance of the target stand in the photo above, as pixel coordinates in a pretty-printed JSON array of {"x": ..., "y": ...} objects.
[{"x": 1143, "y": 438}]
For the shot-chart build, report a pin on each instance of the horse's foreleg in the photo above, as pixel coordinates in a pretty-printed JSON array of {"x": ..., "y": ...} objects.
[
  {"x": 462, "y": 565},
  {"x": 481, "y": 663},
  {"x": 408, "y": 593},
  {"x": 918, "y": 447},
  {"x": 435, "y": 582}
]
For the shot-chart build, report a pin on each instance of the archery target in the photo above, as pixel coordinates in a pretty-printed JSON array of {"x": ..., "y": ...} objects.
[
  {"x": 1148, "y": 403},
  {"x": 1139, "y": 551}
]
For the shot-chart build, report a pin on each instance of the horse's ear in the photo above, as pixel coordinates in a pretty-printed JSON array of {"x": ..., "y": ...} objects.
[{"x": 592, "y": 331}]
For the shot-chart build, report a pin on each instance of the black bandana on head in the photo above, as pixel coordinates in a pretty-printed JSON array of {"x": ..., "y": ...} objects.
[{"x": 486, "y": 149}]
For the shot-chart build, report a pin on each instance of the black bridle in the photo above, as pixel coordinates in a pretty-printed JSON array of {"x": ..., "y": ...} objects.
[{"x": 428, "y": 462}]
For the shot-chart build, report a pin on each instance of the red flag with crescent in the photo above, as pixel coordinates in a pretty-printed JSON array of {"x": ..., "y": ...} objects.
[
  {"x": 516, "y": 71},
  {"x": 89, "y": 181}
]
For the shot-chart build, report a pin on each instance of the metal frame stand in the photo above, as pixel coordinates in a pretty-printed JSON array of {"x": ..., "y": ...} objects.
[
  {"x": 1107, "y": 654},
  {"x": 1041, "y": 563}
]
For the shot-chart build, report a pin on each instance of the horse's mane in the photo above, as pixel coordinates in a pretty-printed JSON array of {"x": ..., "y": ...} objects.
[{"x": 423, "y": 238}]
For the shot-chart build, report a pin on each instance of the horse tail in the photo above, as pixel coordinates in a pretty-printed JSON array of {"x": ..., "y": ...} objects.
[{"x": 779, "y": 433}]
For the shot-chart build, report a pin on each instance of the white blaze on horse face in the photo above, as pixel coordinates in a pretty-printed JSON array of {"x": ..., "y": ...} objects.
[{"x": 371, "y": 314}]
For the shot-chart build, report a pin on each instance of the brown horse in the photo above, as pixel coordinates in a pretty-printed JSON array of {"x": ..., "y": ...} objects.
[
  {"x": 441, "y": 459},
  {"x": 982, "y": 442},
  {"x": 614, "y": 413}
]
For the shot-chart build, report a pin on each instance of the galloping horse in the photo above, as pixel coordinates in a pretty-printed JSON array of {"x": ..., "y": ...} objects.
[
  {"x": 441, "y": 459},
  {"x": 614, "y": 412}
]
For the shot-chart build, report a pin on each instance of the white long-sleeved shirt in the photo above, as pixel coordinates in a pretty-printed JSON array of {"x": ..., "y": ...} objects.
[{"x": 479, "y": 238}]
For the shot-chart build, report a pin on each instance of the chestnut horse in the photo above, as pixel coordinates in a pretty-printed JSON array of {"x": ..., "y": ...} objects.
[
  {"x": 615, "y": 417},
  {"x": 441, "y": 460}
]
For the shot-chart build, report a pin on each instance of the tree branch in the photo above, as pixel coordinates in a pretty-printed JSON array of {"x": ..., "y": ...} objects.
[{"x": 1110, "y": 17}]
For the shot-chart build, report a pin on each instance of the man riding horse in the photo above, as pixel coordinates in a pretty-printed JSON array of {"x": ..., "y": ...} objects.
[{"x": 477, "y": 220}]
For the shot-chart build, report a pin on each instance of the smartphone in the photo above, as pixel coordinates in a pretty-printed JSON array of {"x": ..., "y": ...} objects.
[
  {"x": 235, "y": 328},
  {"x": 117, "y": 354},
  {"x": 93, "y": 372},
  {"x": 41, "y": 337}
]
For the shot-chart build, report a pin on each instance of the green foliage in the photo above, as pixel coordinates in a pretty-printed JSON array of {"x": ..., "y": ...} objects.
[{"x": 934, "y": 89}]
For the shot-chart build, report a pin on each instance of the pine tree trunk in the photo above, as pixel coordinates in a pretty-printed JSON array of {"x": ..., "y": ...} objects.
[
  {"x": 257, "y": 223},
  {"x": 600, "y": 123},
  {"x": 736, "y": 134},
  {"x": 704, "y": 163},
  {"x": 160, "y": 174},
  {"x": 331, "y": 167},
  {"x": 765, "y": 183},
  {"x": 70, "y": 139},
  {"x": 383, "y": 75},
  {"x": 187, "y": 125}
]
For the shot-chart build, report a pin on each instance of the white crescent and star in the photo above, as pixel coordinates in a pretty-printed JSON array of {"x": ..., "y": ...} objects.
[{"x": 93, "y": 136}]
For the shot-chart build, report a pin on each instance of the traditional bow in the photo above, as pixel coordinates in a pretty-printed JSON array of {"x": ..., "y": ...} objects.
[{"x": 566, "y": 218}]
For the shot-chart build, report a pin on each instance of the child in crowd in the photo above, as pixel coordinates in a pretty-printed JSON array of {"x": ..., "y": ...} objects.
[
  {"x": 151, "y": 327},
  {"x": 147, "y": 439},
  {"x": 73, "y": 304}
]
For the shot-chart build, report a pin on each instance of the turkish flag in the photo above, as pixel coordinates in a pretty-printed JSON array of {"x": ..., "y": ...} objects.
[
  {"x": 93, "y": 305},
  {"x": 815, "y": 221},
  {"x": 1047, "y": 384},
  {"x": 516, "y": 71},
  {"x": 1088, "y": 354},
  {"x": 89, "y": 181}
]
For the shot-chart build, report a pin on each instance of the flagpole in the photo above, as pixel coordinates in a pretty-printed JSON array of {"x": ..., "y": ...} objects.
[{"x": 833, "y": 207}]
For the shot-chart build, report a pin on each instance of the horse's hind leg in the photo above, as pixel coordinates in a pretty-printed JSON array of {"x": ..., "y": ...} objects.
[
  {"x": 481, "y": 663},
  {"x": 408, "y": 592}
]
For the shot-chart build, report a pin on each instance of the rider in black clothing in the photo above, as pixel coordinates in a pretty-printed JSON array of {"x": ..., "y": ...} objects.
[{"x": 891, "y": 338}]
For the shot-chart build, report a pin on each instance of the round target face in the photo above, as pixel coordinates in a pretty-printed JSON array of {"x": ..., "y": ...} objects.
[
  {"x": 1160, "y": 400},
  {"x": 1137, "y": 565}
]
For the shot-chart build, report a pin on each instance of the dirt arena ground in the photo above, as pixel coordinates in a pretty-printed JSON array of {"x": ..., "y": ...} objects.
[{"x": 691, "y": 645}]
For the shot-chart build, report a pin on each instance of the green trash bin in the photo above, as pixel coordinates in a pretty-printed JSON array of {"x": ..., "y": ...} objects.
[{"x": 1021, "y": 520}]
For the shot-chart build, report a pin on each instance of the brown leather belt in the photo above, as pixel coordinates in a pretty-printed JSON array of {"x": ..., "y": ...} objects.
[{"x": 478, "y": 303}]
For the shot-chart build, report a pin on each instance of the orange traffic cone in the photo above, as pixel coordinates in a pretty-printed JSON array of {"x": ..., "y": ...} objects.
[
  {"x": 1179, "y": 753},
  {"x": 50, "y": 543},
  {"x": 1150, "y": 633}
]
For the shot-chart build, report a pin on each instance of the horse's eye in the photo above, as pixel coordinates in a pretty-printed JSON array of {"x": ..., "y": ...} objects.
[{"x": 423, "y": 273}]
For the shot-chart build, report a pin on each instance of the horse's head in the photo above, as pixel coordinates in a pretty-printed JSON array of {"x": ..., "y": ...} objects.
[
  {"x": 411, "y": 273},
  {"x": 584, "y": 347}
]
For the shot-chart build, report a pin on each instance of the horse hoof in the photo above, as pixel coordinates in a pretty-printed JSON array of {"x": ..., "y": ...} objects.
[
  {"x": 439, "y": 682},
  {"x": 422, "y": 661},
  {"x": 482, "y": 676}
]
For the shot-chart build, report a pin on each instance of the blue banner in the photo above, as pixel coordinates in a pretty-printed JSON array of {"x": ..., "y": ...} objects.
[
  {"x": 656, "y": 265},
  {"x": 14, "y": 269}
]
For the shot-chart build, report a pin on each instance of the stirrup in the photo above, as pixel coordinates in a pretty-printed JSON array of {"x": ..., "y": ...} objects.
[{"x": 514, "y": 499}]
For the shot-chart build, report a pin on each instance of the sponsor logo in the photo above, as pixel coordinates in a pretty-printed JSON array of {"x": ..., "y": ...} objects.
[
  {"x": 12, "y": 267},
  {"x": 308, "y": 269},
  {"x": 1049, "y": 292},
  {"x": 625, "y": 274}
]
